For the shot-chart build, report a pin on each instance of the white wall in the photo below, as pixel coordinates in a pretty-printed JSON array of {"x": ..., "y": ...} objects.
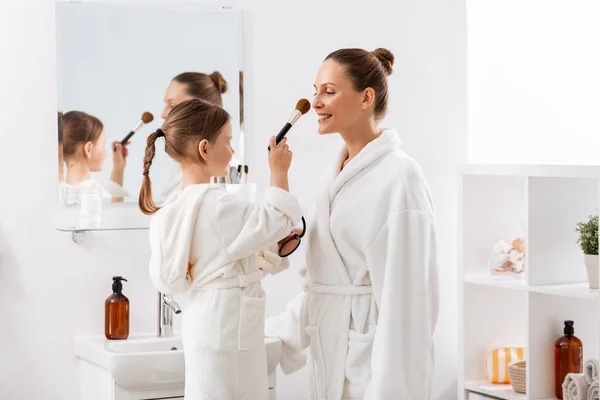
[
  {"x": 54, "y": 289},
  {"x": 428, "y": 107},
  {"x": 534, "y": 81}
]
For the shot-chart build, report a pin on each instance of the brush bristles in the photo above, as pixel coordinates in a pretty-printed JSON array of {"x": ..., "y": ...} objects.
[
  {"x": 303, "y": 106},
  {"x": 147, "y": 117}
]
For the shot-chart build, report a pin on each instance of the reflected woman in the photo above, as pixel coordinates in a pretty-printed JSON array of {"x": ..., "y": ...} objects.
[{"x": 187, "y": 86}]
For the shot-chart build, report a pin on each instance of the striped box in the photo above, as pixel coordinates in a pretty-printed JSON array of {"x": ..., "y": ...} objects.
[{"x": 496, "y": 363}]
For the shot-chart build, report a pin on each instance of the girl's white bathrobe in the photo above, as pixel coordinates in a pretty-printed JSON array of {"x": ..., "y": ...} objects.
[
  {"x": 370, "y": 305},
  {"x": 222, "y": 237}
]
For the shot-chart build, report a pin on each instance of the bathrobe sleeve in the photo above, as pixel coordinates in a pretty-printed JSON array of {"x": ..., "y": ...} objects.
[
  {"x": 245, "y": 228},
  {"x": 403, "y": 268}
]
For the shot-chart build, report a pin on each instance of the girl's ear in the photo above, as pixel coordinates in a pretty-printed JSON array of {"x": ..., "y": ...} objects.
[
  {"x": 87, "y": 150},
  {"x": 202, "y": 149}
]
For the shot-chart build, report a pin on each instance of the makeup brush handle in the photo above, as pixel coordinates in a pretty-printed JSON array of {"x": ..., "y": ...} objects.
[
  {"x": 124, "y": 141},
  {"x": 129, "y": 135},
  {"x": 286, "y": 128}
]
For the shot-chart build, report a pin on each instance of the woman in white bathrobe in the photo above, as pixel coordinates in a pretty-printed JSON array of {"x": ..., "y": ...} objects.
[
  {"x": 217, "y": 246},
  {"x": 367, "y": 315}
]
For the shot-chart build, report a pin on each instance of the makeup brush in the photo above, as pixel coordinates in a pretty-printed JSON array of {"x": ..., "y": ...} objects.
[
  {"x": 146, "y": 119},
  {"x": 302, "y": 107}
]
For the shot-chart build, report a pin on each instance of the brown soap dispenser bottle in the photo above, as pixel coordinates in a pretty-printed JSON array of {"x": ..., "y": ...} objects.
[
  {"x": 568, "y": 357},
  {"x": 116, "y": 312}
]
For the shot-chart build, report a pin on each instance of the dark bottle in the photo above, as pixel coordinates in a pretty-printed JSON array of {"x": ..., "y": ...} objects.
[
  {"x": 568, "y": 357},
  {"x": 116, "y": 312}
]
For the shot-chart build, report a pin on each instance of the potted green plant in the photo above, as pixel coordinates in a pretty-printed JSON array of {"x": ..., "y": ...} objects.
[{"x": 588, "y": 242}]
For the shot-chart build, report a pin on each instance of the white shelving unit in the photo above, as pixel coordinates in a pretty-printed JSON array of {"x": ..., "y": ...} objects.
[{"x": 541, "y": 203}]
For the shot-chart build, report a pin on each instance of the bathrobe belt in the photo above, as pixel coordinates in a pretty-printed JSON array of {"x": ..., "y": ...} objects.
[
  {"x": 340, "y": 290},
  {"x": 241, "y": 280}
]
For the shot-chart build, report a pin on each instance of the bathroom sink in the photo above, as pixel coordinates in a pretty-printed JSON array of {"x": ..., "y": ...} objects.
[
  {"x": 146, "y": 362},
  {"x": 143, "y": 344}
]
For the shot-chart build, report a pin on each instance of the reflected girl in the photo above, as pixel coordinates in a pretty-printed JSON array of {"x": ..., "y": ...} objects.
[
  {"x": 84, "y": 152},
  {"x": 61, "y": 160}
]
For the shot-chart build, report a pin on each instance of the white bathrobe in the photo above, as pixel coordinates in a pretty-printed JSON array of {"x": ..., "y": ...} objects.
[
  {"x": 222, "y": 237},
  {"x": 370, "y": 305}
]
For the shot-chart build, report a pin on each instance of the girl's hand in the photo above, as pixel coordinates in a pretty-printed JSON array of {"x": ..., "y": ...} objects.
[{"x": 280, "y": 156}]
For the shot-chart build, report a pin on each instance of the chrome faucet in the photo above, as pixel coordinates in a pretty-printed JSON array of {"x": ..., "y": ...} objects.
[{"x": 166, "y": 307}]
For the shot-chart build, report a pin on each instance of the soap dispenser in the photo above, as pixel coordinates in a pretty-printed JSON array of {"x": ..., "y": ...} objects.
[
  {"x": 116, "y": 312},
  {"x": 568, "y": 357}
]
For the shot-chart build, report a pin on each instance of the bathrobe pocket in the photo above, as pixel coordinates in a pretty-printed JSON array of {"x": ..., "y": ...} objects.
[
  {"x": 251, "y": 330},
  {"x": 316, "y": 353},
  {"x": 358, "y": 362}
]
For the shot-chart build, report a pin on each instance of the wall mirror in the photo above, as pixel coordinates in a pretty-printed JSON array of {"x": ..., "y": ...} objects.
[{"x": 121, "y": 67}]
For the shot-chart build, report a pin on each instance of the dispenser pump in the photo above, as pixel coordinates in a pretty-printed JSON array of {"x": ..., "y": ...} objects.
[
  {"x": 116, "y": 312},
  {"x": 568, "y": 358},
  {"x": 117, "y": 286},
  {"x": 569, "y": 328}
]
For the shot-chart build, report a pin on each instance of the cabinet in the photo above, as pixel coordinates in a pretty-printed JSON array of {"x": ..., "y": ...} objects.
[
  {"x": 543, "y": 204},
  {"x": 97, "y": 384},
  {"x": 143, "y": 367},
  {"x": 477, "y": 396}
]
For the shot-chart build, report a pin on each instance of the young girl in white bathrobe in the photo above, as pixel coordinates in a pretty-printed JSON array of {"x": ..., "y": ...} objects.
[
  {"x": 217, "y": 247},
  {"x": 370, "y": 305}
]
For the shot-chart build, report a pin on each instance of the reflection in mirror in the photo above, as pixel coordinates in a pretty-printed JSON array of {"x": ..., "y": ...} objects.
[{"x": 121, "y": 69}]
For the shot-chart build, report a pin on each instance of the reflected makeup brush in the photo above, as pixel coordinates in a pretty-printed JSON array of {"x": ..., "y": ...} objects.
[
  {"x": 302, "y": 107},
  {"x": 146, "y": 119}
]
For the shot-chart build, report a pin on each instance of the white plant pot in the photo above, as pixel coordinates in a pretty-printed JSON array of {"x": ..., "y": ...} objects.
[{"x": 591, "y": 263}]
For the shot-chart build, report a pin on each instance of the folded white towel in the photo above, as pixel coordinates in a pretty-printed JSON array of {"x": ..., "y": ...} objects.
[
  {"x": 594, "y": 391},
  {"x": 590, "y": 370},
  {"x": 575, "y": 387}
]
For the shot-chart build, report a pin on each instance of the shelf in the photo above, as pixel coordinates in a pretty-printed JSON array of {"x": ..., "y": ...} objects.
[
  {"x": 542, "y": 204},
  {"x": 571, "y": 290},
  {"x": 73, "y": 229},
  {"x": 503, "y": 283},
  {"x": 533, "y": 170},
  {"x": 499, "y": 391},
  {"x": 78, "y": 234}
]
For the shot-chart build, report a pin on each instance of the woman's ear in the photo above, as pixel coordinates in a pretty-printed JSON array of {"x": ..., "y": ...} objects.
[
  {"x": 368, "y": 98},
  {"x": 87, "y": 149},
  {"x": 202, "y": 149}
]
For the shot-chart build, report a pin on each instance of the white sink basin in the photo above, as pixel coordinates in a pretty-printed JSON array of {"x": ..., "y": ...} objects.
[{"x": 145, "y": 362}]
